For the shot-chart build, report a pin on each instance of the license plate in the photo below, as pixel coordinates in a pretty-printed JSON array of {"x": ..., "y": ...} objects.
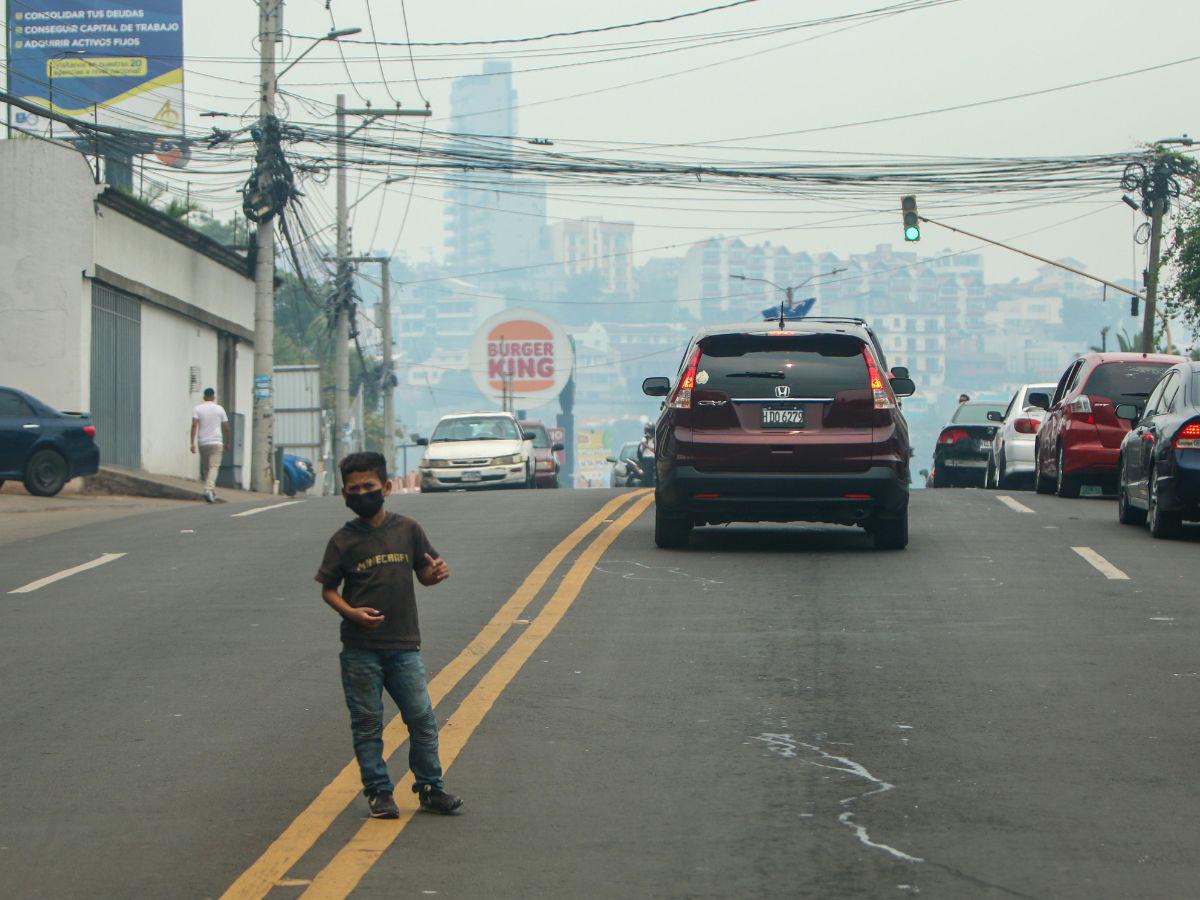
[
  {"x": 783, "y": 417},
  {"x": 472, "y": 475}
]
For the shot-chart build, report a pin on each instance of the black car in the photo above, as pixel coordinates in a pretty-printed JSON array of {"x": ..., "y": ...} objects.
[
  {"x": 965, "y": 445},
  {"x": 43, "y": 447},
  {"x": 1159, "y": 465}
]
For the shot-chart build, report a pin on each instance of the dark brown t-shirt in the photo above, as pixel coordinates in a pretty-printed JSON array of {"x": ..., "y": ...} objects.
[{"x": 374, "y": 567}]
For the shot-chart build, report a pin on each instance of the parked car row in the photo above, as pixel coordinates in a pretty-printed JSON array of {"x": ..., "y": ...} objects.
[{"x": 1128, "y": 423}]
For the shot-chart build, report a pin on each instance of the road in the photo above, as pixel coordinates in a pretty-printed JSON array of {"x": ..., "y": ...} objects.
[{"x": 775, "y": 711}]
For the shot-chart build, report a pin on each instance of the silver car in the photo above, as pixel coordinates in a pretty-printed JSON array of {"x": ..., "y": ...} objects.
[
  {"x": 1012, "y": 457},
  {"x": 621, "y": 474}
]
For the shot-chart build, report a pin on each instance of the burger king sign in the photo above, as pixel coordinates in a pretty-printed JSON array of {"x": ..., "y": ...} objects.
[{"x": 523, "y": 354}]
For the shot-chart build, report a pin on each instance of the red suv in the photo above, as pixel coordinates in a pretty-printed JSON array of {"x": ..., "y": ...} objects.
[
  {"x": 1079, "y": 441},
  {"x": 781, "y": 425}
]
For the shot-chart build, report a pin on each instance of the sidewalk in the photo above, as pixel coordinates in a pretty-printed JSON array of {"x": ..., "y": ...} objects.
[{"x": 113, "y": 480}]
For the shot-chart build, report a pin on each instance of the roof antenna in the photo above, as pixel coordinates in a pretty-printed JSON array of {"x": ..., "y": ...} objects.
[{"x": 781, "y": 319}]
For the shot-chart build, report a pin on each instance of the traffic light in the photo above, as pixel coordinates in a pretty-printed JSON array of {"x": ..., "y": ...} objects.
[{"x": 912, "y": 222}]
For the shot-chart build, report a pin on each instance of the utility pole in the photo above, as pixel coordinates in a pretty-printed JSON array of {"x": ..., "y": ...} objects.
[
  {"x": 342, "y": 300},
  {"x": 263, "y": 419},
  {"x": 1157, "y": 204},
  {"x": 345, "y": 298},
  {"x": 388, "y": 379}
]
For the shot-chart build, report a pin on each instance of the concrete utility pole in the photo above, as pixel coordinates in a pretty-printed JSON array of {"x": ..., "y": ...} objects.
[
  {"x": 341, "y": 320},
  {"x": 389, "y": 386},
  {"x": 344, "y": 299},
  {"x": 1157, "y": 208},
  {"x": 262, "y": 476}
]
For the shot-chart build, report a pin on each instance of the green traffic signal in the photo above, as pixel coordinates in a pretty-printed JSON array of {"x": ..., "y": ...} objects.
[{"x": 912, "y": 226}]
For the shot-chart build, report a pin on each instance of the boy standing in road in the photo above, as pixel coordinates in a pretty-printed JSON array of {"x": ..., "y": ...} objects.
[
  {"x": 373, "y": 559},
  {"x": 210, "y": 429}
]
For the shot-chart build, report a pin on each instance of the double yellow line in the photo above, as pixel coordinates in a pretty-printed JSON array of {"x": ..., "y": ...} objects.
[{"x": 355, "y": 859}]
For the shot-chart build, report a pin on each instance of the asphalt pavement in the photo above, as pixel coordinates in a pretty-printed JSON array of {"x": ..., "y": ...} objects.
[{"x": 1006, "y": 709}]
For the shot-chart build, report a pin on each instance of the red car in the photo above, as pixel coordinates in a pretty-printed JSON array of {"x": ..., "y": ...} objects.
[
  {"x": 1080, "y": 439},
  {"x": 545, "y": 467},
  {"x": 769, "y": 425}
]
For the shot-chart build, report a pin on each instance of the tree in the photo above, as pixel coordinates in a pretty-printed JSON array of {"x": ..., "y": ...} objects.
[{"x": 1181, "y": 263}]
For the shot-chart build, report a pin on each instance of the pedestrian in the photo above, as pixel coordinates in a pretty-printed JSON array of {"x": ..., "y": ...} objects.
[
  {"x": 210, "y": 430},
  {"x": 367, "y": 577},
  {"x": 963, "y": 398}
]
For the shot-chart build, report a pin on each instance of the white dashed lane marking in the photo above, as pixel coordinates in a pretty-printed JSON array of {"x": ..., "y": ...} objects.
[
  {"x": 1100, "y": 564},
  {"x": 67, "y": 573},
  {"x": 1014, "y": 505},
  {"x": 258, "y": 509}
]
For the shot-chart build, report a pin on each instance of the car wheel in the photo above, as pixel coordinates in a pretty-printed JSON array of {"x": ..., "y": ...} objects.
[
  {"x": 940, "y": 479},
  {"x": 989, "y": 477},
  {"x": 286, "y": 485},
  {"x": 1126, "y": 513},
  {"x": 891, "y": 532},
  {"x": 46, "y": 473},
  {"x": 1002, "y": 472},
  {"x": 1066, "y": 486},
  {"x": 1041, "y": 484},
  {"x": 1162, "y": 524},
  {"x": 671, "y": 531}
]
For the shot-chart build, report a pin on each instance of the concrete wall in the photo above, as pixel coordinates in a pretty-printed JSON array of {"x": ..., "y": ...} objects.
[
  {"x": 245, "y": 402},
  {"x": 156, "y": 260},
  {"x": 45, "y": 246},
  {"x": 172, "y": 344}
]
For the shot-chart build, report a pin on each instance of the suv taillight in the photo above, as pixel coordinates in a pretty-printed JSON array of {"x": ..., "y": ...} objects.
[
  {"x": 952, "y": 436},
  {"x": 681, "y": 398},
  {"x": 880, "y": 389},
  {"x": 1026, "y": 426},
  {"x": 89, "y": 430},
  {"x": 1188, "y": 437}
]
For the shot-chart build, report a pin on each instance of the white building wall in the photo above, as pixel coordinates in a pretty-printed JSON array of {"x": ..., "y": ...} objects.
[
  {"x": 45, "y": 246},
  {"x": 169, "y": 343}
]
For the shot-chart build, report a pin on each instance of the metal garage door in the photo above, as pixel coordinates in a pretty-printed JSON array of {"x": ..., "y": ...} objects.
[{"x": 117, "y": 376}]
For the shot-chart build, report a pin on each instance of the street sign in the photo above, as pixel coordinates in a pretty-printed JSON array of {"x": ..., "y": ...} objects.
[{"x": 797, "y": 311}]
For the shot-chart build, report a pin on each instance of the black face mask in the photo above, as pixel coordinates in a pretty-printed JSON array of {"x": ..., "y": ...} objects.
[{"x": 366, "y": 504}]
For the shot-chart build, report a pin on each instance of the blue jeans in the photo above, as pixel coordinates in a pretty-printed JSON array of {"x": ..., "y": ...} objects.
[{"x": 365, "y": 673}]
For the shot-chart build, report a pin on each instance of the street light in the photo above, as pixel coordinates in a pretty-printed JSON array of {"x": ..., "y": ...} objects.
[
  {"x": 788, "y": 291},
  {"x": 61, "y": 54},
  {"x": 332, "y": 36}
]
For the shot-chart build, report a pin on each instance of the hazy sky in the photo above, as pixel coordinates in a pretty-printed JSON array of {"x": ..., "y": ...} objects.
[{"x": 957, "y": 53}]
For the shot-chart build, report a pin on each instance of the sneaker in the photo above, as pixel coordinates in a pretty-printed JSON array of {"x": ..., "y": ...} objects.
[
  {"x": 210, "y": 497},
  {"x": 436, "y": 800},
  {"x": 382, "y": 805}
]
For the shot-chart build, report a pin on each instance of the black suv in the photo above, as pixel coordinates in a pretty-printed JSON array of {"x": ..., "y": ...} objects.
[{"x": 763, "y": 424}]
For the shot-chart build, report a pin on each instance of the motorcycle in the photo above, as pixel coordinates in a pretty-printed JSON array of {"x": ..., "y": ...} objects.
[{"x": 642, "y": 471}]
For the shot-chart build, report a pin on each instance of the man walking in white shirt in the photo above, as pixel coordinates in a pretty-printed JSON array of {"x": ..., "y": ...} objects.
[{"x": 210, "y": 430}]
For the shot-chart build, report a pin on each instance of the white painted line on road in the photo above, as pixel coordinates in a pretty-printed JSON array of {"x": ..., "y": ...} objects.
[
  {"x": 1100, "y": 564},
  {"x": 67, "y": 573},
  {"x": 1014, "y": 505},
  {"x": 258, "y": 509}
]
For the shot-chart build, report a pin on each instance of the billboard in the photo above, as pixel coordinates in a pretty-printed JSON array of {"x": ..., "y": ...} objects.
[
  {"x": 115, "y": 62},
  {"x": 523, "y": 355}
]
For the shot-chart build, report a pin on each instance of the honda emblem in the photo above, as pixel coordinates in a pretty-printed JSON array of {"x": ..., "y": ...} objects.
[{"x": 782, "y": 391}]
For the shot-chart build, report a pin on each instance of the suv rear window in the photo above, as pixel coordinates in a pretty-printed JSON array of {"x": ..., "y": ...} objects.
[
  {"x": 1125, "y": 382},
  {"x": 815, "y": 366}
]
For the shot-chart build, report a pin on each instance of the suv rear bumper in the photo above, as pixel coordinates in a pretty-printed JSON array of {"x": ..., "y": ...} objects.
[{"x": 838, "y": 497}]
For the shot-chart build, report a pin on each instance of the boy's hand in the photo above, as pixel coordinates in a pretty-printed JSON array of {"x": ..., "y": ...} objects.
[
  {"x": 435, "y": 571},
  {"x": 365, "y": 617}
]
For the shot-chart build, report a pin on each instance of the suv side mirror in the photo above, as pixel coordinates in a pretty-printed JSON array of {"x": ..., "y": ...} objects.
[
  {"x": 899, "y": 371},
  {"x": 1040, "y": 399},
  {"x": 1128, "y": 412},
  {"x": 995, "y": 416},
  {"x": 528, "y": 436},
  {"x": 611, "y": 459},
  {"x": 422, "y": 442},
  {"x": 657, "y": 386},
  {"x": 903, "y": 387},
  {"x": 557, "y": 448}
]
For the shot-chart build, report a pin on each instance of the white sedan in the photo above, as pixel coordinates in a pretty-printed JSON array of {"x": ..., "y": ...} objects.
[
  {"x": 477, "y": 450},
  {"x": 1012, "y": 448}
]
